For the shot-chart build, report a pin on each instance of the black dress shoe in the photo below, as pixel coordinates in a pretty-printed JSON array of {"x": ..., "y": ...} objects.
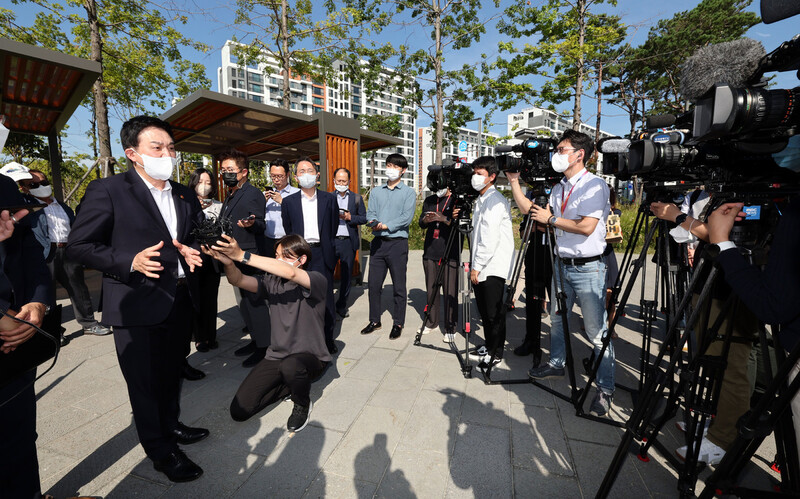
[
  {"x": 523, "y": 350},
  {"x": 245, "y": 350},
  {"x": 178, "y": 467},
  {"x": 191, "y": 373},
  {"x": 332, "y": 348},
  {"x": 343, "y": 313},
  {"x": 395, "y": 332},
  {"x": 64, "y": 341},
  {"x": 371, "y": 328},
  {"x": 205, "y": 346},
  {"x": 254, "y": 359},
  {"x": 188, "y": 435}
]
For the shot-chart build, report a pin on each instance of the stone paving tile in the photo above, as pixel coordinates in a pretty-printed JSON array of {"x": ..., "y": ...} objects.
[
  {"x": 218, "y": 392},
  {"x": 365, "y": 452},
  {"x": 481, "y": 464},
  {"x": 629, "y": 482},
  {"x": 374, "y": 364},
  {"x": 399, "y": 389},
  {"x": 55, "y": 425},
  {"x": 415, "y": 474},
  {"x": 332, "y": 485},
  {"x": 485, "y": 404},
  {"x": 537, "y": 441},
  {"x": 293, "y": 465},
  {"x": 420, "y": 358},
  {"x": 51, "y": 398},
  {"x": 433, "y": 422},
  {"x": 83, "y": 440},
  {"x": 542, "y": 485},
  {"x": 132, "y": 486},
  {"x": 343, "y": 403},
  {"x": 445, "y": 374},
  {"x": 221, "y": 477}
]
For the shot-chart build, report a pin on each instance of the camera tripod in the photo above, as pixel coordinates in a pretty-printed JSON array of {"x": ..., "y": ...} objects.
[
  {"x": 463, "y": 227},
  {"x": 699, "y": 383}
]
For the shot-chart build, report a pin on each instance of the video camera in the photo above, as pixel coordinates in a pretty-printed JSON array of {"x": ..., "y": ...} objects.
[
  {"x": 533, "y": 162},
  {"x": 454, "y": 175}
]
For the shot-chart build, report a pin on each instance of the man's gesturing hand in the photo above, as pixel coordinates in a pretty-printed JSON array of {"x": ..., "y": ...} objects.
[
  {"x": 191, "y": 255},
  {"x": 142, "y": 261},
  {"x": 32, "y": 312}
]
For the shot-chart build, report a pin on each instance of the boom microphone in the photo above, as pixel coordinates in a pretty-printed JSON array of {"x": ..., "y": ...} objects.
[
  {"x": 503, "y": 148},
  {"x": 660, "y": 121},
  {"x": 732, "y": 63},
  {"x": 777, "y": 10},
  {"x": 611, "y": 146}
]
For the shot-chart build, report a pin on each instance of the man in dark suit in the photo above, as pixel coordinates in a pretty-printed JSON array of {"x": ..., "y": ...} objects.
[
  {"x": 136, "y": 228},
  {"x": 352, "y": 213},
  {"x": 54, "y": 224},
  {"x": 245, "y": 207},
  {"x": 25, "y": 288},
  {"x": 314, "y": 214}
]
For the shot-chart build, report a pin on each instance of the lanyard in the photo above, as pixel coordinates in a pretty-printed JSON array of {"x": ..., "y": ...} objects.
[
  {"x": 444, "y": 205},
  {"x": 565, "y": 201}
]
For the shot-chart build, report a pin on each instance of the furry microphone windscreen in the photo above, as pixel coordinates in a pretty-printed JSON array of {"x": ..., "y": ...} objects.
[{"x": 731, "y": 63}]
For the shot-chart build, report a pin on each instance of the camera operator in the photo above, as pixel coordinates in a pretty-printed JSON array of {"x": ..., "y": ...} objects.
[
  {"x": 492, "y": 256},
  {"x": 438, "y": 219},
  {"x": 538, "y": 274},
  {"x": 772, "y": 294},
  {"x": 734, "y": 396},
  {"x": 581, "y": 205}
]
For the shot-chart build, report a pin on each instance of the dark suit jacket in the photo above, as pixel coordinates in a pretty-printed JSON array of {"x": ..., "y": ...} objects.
[
  {"x": 24, "y": 277},
  {"x": 327, "y": 221},
  {"x": 247, "y": 200},
  {"x": 358, "y": 216},
  {"x": 118, "y": 219}
]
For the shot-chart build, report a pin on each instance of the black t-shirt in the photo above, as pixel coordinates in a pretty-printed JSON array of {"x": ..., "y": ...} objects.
[
  {"x": 435, "y": 247},
  {"x": 297, "y": 316}
]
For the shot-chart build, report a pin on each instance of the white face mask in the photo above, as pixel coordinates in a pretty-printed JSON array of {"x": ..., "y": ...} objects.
[
  {"x": 289, "y": 262},
  {"x": 341, "y": 188},
  {"x": 203, "y": 190},
  {"x": 43, "y": 191},
  {"x": 392, "y": 174},
  {"x": 560, "y": 162},
  {"x": 478, "y": 182},
  {"x": 307, "y": 180},
  {"x": 441, "y": 192},
  {"x": 158, "y": 168}
]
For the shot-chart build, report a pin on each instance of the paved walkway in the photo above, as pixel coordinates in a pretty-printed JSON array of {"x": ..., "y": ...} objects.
[{"x": 390, "y": 419}]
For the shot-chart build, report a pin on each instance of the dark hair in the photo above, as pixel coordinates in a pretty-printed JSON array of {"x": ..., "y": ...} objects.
[
  {"x": 305, "y": 159},
  {"x": 397, "y": 160},
  {"x": 294, "y": 245},
  {"x": 129, "y": 134},
  {"x": 34, "y": 170},
  {"x": 237, "y": 156},
  {"x": 194, "y": 179},
  {"x": 341, "y": 170},
  {"x": 579, "y": 140},
  {"x": 280, "y": 163},
  {"x": 486, "y": 163}
]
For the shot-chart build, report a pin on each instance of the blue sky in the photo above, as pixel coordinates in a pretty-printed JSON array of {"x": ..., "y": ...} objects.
[{"x": 214, "y": 26}]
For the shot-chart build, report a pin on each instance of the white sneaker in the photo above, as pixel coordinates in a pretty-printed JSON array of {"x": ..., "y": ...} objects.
[
  {"x": 449, "y": 337},
  {"x": 681, "y": 426},
  {"x": 427, "y": 330},
  {"x": 710, "y": 452},
  {"x": 481, "y": 351}
]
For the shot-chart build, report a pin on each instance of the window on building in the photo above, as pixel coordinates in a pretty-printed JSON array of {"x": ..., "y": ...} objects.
[
  {"x": 356, "y": 99},
  {"x": 330, "y": 92},
  {"x": 317, "y": 101},
  {"x": 255, "y": 77},
  {"x": 241, "y": 73},
  {"x": 256, "y": 88},
  {"x": 317, "y": 109},
  {"x": 256, "y": 98},
  {"x": 355, "y": 90},
  {"x": 233, "y": 83},
  {"x": 233, "y": 72},
  {"x": 317, "y": 91},
  {"x": 356, "y": 108}
]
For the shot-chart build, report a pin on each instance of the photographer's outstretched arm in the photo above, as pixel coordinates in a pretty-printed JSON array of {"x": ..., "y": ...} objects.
[
  {"x": 524, "y": 204},
  {"x": 669, "y": 212},
  {"x": 230, "y": 252}
]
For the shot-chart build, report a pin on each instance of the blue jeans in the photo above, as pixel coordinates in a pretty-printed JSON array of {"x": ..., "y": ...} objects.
[{"x": 586, "y": 285}]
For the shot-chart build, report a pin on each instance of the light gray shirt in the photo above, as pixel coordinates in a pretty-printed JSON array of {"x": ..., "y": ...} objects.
[{"x": 274, "y": 222}]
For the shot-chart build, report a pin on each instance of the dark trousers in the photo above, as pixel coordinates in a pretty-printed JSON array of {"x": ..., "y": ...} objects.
[
  {"x": 151, "y": 359},
  {"x": 272, "y": 380},
  {"x": 346, "y": 257},
  {"x": 538, "y": 278},
  {"x": 489, "y": 299},
  {"x": 449, "y": 288},
  {"x": 318, "y": 265},
  {"x": 19, "y": 465},
  {"x": 391, "y": 255},
  {"x": 204, "y": 323},
  {"x": 70, "y": 275},
  {"x": 255, "y": 312}
]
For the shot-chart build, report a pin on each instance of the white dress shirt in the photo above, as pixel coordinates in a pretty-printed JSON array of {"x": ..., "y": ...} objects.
[
  {"x": 310, "y": 224},
  {"x": 274, "y": 223},
  {"x": 492, "y": 237},
  {"x": 57, "y": 223},
  {"x": 583, "y": 195},
  {"x": 166, "y": 206}
]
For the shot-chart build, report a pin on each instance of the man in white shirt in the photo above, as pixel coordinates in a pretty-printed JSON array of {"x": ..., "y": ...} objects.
[
  {"x": 580, "y": 206},
  {"x": 281, "y": 178},
  {"x": 492, "y": 257}
]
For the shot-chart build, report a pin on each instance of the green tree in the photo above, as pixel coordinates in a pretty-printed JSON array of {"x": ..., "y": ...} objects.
[
  {"x": 306, "y": 38},
  {"x": 564, "y": 43},
  {"x": 389, "y": 125},
  {"x": 23, "y": 147},
  {"x": 453, "y": 26},
  {"x": 672, "y": 41},
  {"x": 137, "y": 44}
]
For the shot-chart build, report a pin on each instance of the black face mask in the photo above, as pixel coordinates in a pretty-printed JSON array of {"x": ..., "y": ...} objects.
[{"x": 230, "y": 179}]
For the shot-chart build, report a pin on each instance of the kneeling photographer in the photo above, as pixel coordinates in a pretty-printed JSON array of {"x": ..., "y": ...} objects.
[{"x": 580, "y": 204}]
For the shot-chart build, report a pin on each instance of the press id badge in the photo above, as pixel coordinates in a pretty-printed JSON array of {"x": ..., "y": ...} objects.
[
  {"x": 436, "y": 233},
  {"x": 559, "y": 232}
]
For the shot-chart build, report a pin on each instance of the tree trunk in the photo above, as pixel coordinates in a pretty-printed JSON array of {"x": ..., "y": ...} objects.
[
  {"x": 372, "y": 171},
  {"x": 98, "y": 92},
  {"x": 576, "y": 114},
  {"x": 439, "y": 113},
  {"x": 599, "y": 100},
  {"x": 285, "y": 56}
]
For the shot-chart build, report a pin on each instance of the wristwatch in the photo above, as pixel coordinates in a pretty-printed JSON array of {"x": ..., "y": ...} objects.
[
  {"x": 552, "y": 221},
  {"x": 681, "y": 218},
  {"x": 246, "y": 257}
]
